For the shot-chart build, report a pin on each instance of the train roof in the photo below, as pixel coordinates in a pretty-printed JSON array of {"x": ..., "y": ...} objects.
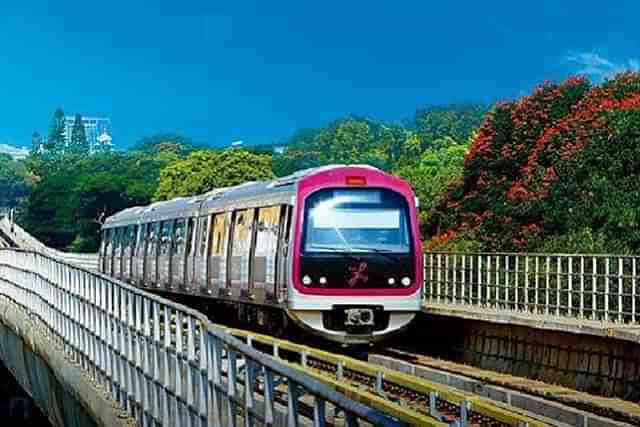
[{"x": 249, "y": 194}]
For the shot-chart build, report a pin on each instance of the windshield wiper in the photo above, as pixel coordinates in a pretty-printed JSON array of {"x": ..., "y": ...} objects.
[
  {"x": 384, "y": 252},
  {"x": 336, "y": 250}
]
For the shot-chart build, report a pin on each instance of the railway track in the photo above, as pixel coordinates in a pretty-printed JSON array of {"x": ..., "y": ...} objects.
[{"x": 411, "y": 400}]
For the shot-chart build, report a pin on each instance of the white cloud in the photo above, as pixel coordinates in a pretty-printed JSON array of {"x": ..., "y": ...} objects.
[{"x": 598, "y": 67}]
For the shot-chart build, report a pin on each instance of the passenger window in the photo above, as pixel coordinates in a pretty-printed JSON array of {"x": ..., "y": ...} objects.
[
  {"x": 165, "y": 237},
  {"x": 107, "y": 242},
  {"x": 126, "y": 239},
  {"x": 133, "y": 239},
  {"x": 142, "y": 231},
  {"x": 178, "y": 239},
  {"x": 202, "y": 233},
  {"x": 154, "y": 238},
  {"x": 117, "y": 242},
  {"x": 242, "y": 232},
  {"x": 241, "y": 246},
  {"x": 266, "y": 244},
  {"x": 189, "y": 237},
  {"x": 219, "y": 232}
]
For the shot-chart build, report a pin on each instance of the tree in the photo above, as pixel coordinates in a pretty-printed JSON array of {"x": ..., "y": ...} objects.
[
  {"x": 74, "y": 192},
  {"x": 36, "y": 143},
  {"x": 556, "y": 169},
  {"x": 455, "y": 121},
  {"x": 56, "y": 141},
  {"x": 437, "y": 169},
  {"x": 79, "y": 142},
  {"x": 165, "y": 142},
  {"x": 204, "y": 170}
]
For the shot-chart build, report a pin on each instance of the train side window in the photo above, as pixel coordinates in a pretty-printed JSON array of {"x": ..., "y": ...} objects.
[
  {"x": 266, "y": 245},
  {"x": 178, "y": 237},
  {"x": 202, "y": 235},
  {"x": 219, "y": 231},
  {"x": 241, "y": 247},
  {"x": 107, "y": 242},
  {"x": 142, "y": 230},
  {"x": 165, "y": 237},
  {"x": 126, "y": 239},
  {"x": 103, "y": 242},
  {"x": 133, "y": 238},
  {"x": 117, "y": 242},
  {"x": 189, "y": 236},
  {"x": 154, "y": 239}
]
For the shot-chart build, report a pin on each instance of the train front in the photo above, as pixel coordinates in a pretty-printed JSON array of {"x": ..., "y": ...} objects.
[{"x": 356, "y": 273}]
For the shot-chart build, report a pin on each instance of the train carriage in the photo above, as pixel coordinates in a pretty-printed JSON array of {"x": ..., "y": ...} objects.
[{"x": 336, "y": 249}]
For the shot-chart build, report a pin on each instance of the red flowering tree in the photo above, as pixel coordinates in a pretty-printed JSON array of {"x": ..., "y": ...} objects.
[{"x": 537, "y": 163}]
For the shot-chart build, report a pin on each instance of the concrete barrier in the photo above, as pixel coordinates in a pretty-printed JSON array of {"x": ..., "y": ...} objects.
[{"x": 53, "y": 380}]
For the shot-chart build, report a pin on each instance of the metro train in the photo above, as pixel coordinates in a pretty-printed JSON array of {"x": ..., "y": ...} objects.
[{"x": 335, "y": 249}]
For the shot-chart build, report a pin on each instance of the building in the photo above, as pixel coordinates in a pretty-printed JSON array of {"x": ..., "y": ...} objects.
[
  {"x": 104, "y": 143},
  {"x": 94, "y": 128},
  {"x": 17, "y": 153}
]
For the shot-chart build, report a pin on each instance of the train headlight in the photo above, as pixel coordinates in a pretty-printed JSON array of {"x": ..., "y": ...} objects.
[
  {"x": 406, "y": 281},
  {"x": 322, "y": 280},
  {"x": 306, "y": 280},
  {"x": 391, "y": 281}
]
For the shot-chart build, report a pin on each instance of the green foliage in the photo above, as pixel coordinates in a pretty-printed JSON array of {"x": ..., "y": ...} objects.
[
  {"x": 453, "y": 121},
  {"x": 15, "y": 181},
  {"x": 436, "y": 170},
  {"x": 75, "y": 193},
  {"x": 204, "y": 170},
  {"x": 583, "y": 240},
  {"x": 554, "y": 171},
  {"x": 165, "y": 142},
  {"x": 346, "y": 141}
]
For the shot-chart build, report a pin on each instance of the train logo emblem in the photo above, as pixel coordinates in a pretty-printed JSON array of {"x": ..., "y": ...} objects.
[{"x": 358, "y": 273}]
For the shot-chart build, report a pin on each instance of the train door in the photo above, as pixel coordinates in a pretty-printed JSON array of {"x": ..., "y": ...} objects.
[
  {"x": 239, "y": 263},
  {"x": 200, "y": 259},
  {"x": 178, "y": 251},
  {"x": 265, "y": 253},
  {"x": 164, "y": 253},
  {"x": 151, "y": 260},
  {"x": 218, "y": 250},
  {"x": 282, "y": 270}
]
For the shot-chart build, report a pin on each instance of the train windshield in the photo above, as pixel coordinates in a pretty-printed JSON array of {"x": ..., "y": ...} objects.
[{"x": 356, "y": 220}]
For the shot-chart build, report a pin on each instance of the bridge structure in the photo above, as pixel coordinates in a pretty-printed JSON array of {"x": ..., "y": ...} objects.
[{"x": 566, "y": 319}]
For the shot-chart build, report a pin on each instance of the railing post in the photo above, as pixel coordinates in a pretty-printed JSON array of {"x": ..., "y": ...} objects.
[
  {"x": 606, "y": 289},
  {"x": 581, "y": 287},
  {"x": 634, "y": 284},
  {"x": 620, "y": 289}
]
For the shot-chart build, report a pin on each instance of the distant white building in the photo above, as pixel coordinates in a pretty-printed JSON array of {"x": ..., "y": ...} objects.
[
  {"x": 279, "y": 149},
  {"x": 93, "y": 128},
  {"x": 104, "y": 143},
  {"x": 18, "y": 153}
]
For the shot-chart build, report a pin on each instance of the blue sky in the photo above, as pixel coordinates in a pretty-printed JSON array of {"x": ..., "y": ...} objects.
[{"x": 257, "y": 71}]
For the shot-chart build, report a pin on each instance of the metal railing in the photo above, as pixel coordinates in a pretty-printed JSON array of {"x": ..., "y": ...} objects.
[
  {"x": 163, "y": 363},
  {"x": 25, "y": 240},
  {"x": 589, "y": 287}
]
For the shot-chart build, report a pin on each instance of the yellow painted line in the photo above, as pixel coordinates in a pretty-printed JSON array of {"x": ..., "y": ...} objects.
[{"x": 479, "y": 404}]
